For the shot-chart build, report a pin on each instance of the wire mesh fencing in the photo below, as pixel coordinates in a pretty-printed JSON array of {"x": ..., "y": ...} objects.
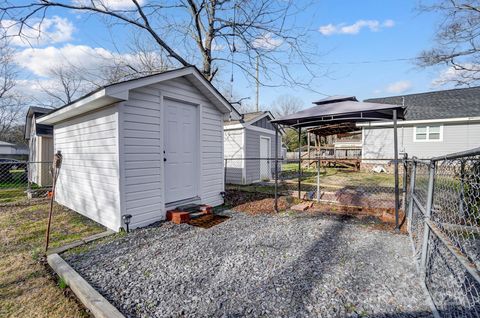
[
  {"x": 365, "y": 184},
  {"x": 444, "y": 226},
  {"x": 20, "y": 180}
]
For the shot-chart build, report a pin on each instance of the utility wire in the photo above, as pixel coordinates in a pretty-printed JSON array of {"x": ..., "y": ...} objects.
[{"x": 370, "y": 62}]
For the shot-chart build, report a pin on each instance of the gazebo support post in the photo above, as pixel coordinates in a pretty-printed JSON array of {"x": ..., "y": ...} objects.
[
  {"x": 318, "y": 180},
  {"x": 299, "y": 160},
  {"x": 276, "y": 168},
  {"x": 395, "y": 155}
]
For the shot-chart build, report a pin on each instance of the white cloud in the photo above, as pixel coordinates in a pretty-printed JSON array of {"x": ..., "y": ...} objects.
[
  {"x": 355, "y": 28},
  {"x": 38, "y": 32},
  {"x": 109, "y": 4},
  {"x": 267, "y": 42},
  {"x": 451, "y": 74},
  {"x": 40, "y": 61},
  {"x": 399, "y": 87}
]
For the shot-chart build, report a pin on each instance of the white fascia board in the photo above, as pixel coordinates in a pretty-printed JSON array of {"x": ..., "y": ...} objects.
[
  {"x": 233, "y": 127},
  {"x": 222, "y": 101},
  {"x": 416, "y": 122},
  {"x": 94, "y": 101}
]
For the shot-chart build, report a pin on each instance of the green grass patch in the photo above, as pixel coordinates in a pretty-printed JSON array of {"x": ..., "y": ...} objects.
[{"x": 26, "y": 287}]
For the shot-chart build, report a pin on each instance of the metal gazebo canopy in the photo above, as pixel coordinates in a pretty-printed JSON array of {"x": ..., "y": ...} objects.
[{"x": 340, "y": 110}]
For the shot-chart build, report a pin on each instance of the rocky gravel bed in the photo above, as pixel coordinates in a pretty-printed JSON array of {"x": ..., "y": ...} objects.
[{"x": 272, "y": 266}]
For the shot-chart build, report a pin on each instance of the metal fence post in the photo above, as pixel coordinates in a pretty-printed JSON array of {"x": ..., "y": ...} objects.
[
  {"x": 276, "y": 168},
  {"x": 404, "y": 182},
  {"x": 410, "y": 199},
  {"x": 428, "y": 210},
  {"x": 462, "y": 189},
  {"x": 225, "y": 175}
]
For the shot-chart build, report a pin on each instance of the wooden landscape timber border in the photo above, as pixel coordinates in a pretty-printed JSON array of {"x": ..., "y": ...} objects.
[{"x": 88, "y": 296}]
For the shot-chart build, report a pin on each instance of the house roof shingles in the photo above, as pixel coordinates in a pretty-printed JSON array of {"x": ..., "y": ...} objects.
[
  {"x": 453, "y": 103},
  {"x": 246, "y": 117}
]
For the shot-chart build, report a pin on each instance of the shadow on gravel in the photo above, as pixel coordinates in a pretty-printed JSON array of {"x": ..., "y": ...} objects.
[{"x": 320, "y": 254}]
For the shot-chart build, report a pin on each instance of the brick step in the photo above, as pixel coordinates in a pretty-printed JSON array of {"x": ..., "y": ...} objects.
[{"x": 185, "y": 213}]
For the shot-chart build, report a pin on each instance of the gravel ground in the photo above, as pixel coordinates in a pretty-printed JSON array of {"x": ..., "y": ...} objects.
[{"x": 271, "y": 266}]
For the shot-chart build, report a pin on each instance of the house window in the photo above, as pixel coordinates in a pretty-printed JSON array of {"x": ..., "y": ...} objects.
[{"x": 428, "y": 133}]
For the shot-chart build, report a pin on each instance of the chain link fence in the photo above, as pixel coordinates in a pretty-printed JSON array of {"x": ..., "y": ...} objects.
[
  {"x": 444, "y": 227},
  {"x": 20, "y": 180},
  {"x": 365, "y": 184}
]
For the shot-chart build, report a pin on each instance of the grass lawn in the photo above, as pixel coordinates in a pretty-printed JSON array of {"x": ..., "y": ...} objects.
[
  {"x": 27, "y": 289},
  {"x": 340, "y": 177}
]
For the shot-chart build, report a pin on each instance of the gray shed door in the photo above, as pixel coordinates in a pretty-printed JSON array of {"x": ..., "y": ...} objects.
[{"x": 181, "y": 151}]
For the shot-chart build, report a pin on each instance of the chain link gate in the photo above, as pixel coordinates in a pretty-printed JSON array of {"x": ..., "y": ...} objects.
[{"x": 444, "y": 227}]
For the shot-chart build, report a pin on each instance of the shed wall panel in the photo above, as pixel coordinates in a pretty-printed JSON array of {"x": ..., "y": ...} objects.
[
  {"x": 234, "y": 149},
  {"x": 252, "y": 148},
  {"x": 83, "y": 185},
  {"x": 142, "y": 154}
]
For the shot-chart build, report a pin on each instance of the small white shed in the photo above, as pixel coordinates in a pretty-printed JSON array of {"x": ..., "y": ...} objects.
[
  {"x": 40, "y": 144},
  {"x": 249, "y": 143},
  {"x": 141, "y": 147}
]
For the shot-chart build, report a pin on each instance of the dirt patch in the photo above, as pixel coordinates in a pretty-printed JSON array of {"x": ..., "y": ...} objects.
[
  {"x": 254, "y": 203},
  {"x": 207, "y": 221}
]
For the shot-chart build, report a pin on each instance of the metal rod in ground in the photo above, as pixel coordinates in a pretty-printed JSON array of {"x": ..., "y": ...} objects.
[
  {"x": 299, "y": 160},
  {"x": 276, "y": 168},
  {"x": 395, "y": 153},
  {"x": 57, "y": 162}
]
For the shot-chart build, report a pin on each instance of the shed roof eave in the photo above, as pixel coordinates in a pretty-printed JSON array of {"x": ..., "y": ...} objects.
[{"x": 94, "y": 101}]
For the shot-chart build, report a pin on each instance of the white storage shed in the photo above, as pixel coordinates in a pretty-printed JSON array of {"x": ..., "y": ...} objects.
[
  {"x": 40, "y": 143},
  {"x": 249, "y": 143},
  {"x": 141, "y": 147}
]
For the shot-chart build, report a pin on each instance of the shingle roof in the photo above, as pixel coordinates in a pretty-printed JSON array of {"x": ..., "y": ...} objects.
[
  {"x": 246, "y": 117},
  {"x": 453, "y": 103}
]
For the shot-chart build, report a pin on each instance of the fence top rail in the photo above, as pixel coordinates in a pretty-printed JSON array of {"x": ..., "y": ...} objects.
[
  {"x": 420, "y": 160},
  {"x": 457, "y": 155}
]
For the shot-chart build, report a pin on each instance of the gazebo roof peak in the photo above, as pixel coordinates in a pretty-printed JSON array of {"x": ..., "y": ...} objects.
[{"x": 335, "y": 99}]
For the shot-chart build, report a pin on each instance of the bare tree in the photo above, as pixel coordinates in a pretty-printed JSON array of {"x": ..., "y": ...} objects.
[
  {"x": 286, "y": 105},
  {"x": 65, "y": 84},
  {"x": 11, "y": 103},
  {"x": 457, "y": 42},
  {"x": 210, "y": 33},
  {"x": 7, "y": 69}
]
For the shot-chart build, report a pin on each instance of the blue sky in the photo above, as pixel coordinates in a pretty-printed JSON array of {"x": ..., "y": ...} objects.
[{"x": 366, "y": 47}]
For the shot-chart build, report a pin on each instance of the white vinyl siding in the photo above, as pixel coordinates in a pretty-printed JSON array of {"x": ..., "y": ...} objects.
[
  {"x": 211, "y": 156},
  {"x": 89, "y": 178},
  {"x": 142, "y": 157},
  {"x": 378, "y": 141},
  {"x": 234, "y": 148}
]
